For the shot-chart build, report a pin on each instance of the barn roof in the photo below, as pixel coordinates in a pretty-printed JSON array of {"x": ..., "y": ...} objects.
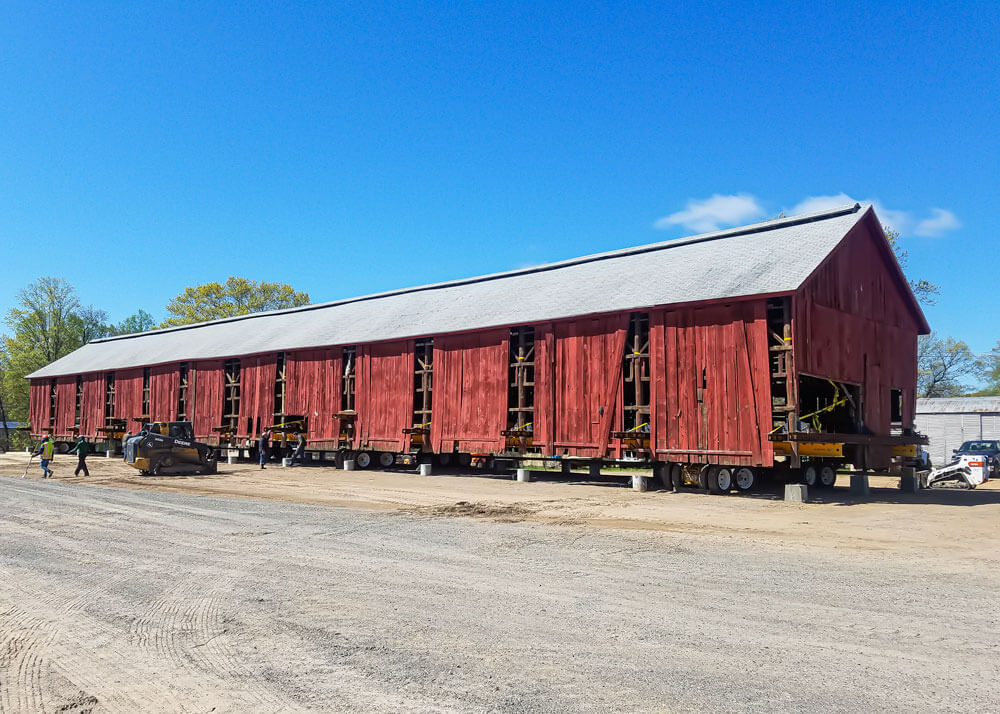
[
  {"x": 766, "y": 258},
  {"x": 958, "y": 405}
]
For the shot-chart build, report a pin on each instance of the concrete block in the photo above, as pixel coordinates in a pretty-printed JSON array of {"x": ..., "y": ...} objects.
[
  {"x": 908, "y": 480},
  {"x": 859, "y": 485},
  {"x": 425, "y": 469},
  {"x": 287, "y": 461},
  {"x": 109, "y": 453},
  {"x": 639, "y": 483},
  {"x": 348, "y": 464},
  {"x": 595, "y": 468},
  {"x": 230, "y": 459},
  {"x": 796, "y": 493},
  {"x": 523, "y": 475}
]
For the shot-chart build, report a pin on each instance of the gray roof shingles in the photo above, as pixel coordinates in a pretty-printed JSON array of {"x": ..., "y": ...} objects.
[{"x": 771, "y": 257}]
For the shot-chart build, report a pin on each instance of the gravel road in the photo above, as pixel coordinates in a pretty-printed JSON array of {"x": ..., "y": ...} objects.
[{"x": 114, "y": 600}]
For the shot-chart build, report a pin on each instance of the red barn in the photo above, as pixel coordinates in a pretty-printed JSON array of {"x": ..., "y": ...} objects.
[{"x": 790, "y": 343}]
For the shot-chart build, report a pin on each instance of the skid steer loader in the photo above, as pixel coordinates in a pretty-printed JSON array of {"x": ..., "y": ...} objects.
[{"x": 168, "y": 448}]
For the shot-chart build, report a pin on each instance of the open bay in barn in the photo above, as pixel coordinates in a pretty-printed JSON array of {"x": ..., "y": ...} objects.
[{"x": 124, "y": 600}]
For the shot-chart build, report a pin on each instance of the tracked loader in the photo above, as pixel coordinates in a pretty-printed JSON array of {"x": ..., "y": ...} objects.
[{"x": 168, "y": 448}]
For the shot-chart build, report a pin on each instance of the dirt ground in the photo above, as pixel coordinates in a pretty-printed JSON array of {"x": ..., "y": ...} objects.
[
  {"x": 312, "y": 589},
  {"x": 923, "y": 524}
]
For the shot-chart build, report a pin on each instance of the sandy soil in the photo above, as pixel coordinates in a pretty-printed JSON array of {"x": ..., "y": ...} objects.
[
  {"x": 318, "y": 590},
  {"x": 921, "y": 525}
]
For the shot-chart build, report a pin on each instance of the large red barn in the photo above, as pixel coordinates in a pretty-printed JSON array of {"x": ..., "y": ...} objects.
[{"x": 746, "y": 347}]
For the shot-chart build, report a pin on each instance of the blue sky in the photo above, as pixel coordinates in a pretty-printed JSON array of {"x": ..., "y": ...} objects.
[{"x": 364, "y": 146}]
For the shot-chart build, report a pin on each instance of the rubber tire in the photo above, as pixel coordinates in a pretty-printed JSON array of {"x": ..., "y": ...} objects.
[
  {"x": 464, "y": 460},
  {"x": 710, "y": 476},
  {"x": 703, "y": 477},
  {"x": 749, "y": 486},
  {"x": 720, "y": 479},
  {"x": 386, "y": 459},
  {"x": 155, "y": 468},
  {"x": 442, "y": 459},
  {"x": 676, "y": 476},
  {"x": 827, "y": 476},
  {"x": 662, "y": 471},
  {"x": 363, "y": 459},
  {"x": 339, "y": 458},
  {"x": 810, "y": 475}
]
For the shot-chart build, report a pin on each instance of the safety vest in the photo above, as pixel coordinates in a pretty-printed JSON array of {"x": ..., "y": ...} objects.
[{"x": 47, "y": 448}]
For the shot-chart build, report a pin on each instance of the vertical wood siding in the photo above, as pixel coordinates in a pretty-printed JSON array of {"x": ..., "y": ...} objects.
[
  {"x": 313, "y": 390},
  {"x": 578, "y": 384},
  {"x": 256, "y": 394},
  {"x": 65, "y": 405},
  {"x": 470, "y": 392},
  {"x": 92, "y": 414},
  {"x": 853, "y": 323},
  {"x": 128, "y": 397},
  {"x": 206, "y": 405},
  {"x": 38, "y": 406},
  {"x": 164, "y": 382},
  {"x": 384, "y": 395},
  {"x": 711, "y": 384}
]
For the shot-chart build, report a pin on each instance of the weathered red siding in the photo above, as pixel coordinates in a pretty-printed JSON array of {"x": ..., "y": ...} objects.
[
  {"x": 38, "y": 406},
  {"x": 257, "y": 394},
  {"x": 65, "y": 406},
  {"x": 854, "y": 322},
  {"x": 164, "y": 381},
  {"x": 470, "y": 392},
  {"x": 92, "y": 413},
  {"x": 578, "y": 379},
  {"x": 313, "y": 378},
  {"x": 128, "y": 397},
  {"x": 384, "y": 395},
  {"x": 207, "y": 403},
  {"x": 711, "y": 384}
]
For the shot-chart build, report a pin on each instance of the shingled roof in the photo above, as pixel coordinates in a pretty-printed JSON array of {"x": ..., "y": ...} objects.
[{"x": 766, "y": 258}]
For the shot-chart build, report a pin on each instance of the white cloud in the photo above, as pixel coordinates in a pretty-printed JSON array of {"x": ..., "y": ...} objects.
[
  {"x": 815, "y": 204},
  {"x": 709, "y": 214},
  {"x": 937, "y": 225}
]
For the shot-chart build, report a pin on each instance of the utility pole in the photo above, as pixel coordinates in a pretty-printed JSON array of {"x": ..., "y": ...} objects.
[{"x": 6, "y": 431}]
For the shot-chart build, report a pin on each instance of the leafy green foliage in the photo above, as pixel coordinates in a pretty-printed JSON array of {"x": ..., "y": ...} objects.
[
  {"x": 140, "y": 321},
  {"x": 237, "y": 296},
  {"x": 48, "y": 323},
  {"x": 944, "y": 366}
]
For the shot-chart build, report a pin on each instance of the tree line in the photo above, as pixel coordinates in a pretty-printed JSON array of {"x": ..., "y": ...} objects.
[{"x": 49, "y": 322}]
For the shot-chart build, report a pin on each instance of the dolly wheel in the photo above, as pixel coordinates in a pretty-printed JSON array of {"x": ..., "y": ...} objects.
[
  {"x": 720, "y": 479},
  {"x": 363, "y": 459},
  {"x": 810, "y": 475},
  {"x": 386, "y": 459},
  {"x": 827, "y": 476},
  {"x": 745, "y": 479},
  {"x": 676, "y": 476}
]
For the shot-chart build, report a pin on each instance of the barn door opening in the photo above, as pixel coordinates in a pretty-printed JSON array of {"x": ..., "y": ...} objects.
[
  {"x": 635, "y": 370},
  {"x": 521, "y": 379},
  {"x": 829, "y": 406},
  {"x": 423, "y": 372}
]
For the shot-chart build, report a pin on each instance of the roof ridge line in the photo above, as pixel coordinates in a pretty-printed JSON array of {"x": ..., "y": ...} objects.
[{"x": 761, "y": 227}]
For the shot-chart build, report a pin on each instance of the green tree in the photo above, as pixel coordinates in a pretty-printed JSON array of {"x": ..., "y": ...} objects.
[
  {"x": 140, "y": 321},
  {"x": 48, "y": 323},
  {"x": 943, "y": 366},
  {"x": 237, "y": 296},
  {"x": 990, "y": 374},
  {"x": 924, "y": 290}
]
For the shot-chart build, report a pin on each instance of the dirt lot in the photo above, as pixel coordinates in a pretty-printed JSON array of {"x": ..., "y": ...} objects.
[{"x": 313, "y": 589}]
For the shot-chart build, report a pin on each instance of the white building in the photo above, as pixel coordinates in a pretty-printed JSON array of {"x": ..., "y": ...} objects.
[{"x": 949, "y": 422}]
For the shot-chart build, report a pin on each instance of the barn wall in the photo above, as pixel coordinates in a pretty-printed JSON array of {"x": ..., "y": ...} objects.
[
  {"x": 710, "y": 384},
  {"x": 65, "y": 406},
  {"x": 384, "y": 395},
  {"x": 207, "y": 402},
  {"x": 128, "y": 397},
  {"x": 578, "y": 384},
  {"x": 164, "y": 382},
  {"x": 92, "y": 413},
  {"x": 470, "y": 392},
  {"x": 313, "y": 390},
  {"x": 853, "y": 322},
  {"x": 256, "y": 394}
]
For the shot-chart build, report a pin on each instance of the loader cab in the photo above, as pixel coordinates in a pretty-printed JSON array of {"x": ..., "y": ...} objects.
[{"x": 181, "y": 430}]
